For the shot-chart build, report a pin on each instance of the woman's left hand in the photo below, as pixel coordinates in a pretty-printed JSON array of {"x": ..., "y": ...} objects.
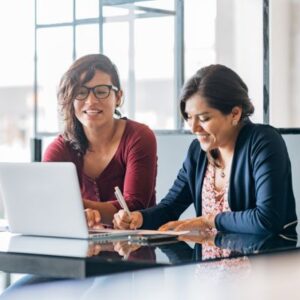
[
  {"x": 206, "y": 222},
  {"x": 203, "y": 237},
  {"x": 93, "y": 218}
]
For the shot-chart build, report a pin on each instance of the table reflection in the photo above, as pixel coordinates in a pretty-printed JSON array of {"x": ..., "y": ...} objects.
[
  {"x": 190, "y": 248},
  {"x": 224, "y": 245},
  {"x": 232, "y": 265},
  {"x": 80, "y": 248},
  {"x": 238, "y": 268}
]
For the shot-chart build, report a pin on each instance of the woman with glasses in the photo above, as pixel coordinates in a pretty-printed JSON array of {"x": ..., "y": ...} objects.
[
  {"x": 107, "y": 150},
  {"x": 237, "y": 174}
]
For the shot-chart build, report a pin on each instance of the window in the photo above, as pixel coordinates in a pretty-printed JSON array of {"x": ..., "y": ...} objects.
[
  {"x": 16, "y": 79},
  {"x": 145, "y": 40}
]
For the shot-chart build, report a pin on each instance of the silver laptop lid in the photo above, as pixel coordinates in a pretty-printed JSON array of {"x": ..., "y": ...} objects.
[{"x": 43, "y": 199}]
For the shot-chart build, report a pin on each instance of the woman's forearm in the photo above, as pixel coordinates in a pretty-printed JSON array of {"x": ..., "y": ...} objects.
[{"x": 107, "y": 210}]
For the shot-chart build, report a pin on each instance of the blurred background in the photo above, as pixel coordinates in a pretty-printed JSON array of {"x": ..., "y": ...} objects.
[{"x": 156, "y": 46}]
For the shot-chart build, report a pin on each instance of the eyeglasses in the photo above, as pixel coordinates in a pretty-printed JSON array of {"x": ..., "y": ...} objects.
[{"x": 101, "y": 91}]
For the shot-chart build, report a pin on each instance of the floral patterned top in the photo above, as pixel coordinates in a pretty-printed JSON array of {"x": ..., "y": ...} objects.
[{"x": 213, "y": 202}]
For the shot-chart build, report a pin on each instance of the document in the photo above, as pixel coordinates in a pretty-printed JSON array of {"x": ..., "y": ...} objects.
[{"x": 136, "y": 232}]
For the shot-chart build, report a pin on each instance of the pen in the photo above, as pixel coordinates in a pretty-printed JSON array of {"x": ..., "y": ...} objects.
[{"x": 121, "y": 200}]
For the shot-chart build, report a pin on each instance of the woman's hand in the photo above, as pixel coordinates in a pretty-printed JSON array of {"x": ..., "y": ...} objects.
[
  {"x": 201, "y": 237},
  {"x": 93, "y": 250},
  {"x": 124, "y": 249},
  {"x": 123, "y": 221},
  {"x": 195, "y": 224},
  {"x": 93, "y": 218}
]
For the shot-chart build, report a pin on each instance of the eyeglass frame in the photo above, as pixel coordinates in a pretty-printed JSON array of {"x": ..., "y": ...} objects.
[{"x": 109, "y": 86}]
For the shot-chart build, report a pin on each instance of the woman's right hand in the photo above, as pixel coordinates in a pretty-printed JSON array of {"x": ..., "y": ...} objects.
[{"x": 123, "y": 221}]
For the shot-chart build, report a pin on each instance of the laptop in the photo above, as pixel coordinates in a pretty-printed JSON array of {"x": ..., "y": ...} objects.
[
  {"x": 44, "y": 199},
  {"x": 53, "y": 246}
]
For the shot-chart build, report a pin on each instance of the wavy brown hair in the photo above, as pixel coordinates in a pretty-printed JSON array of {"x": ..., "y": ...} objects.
[
  {"x": 222, "y": 89},
  {"x": 81, "y": 71}
]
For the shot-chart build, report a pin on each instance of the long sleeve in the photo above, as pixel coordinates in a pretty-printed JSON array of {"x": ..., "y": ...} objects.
[
  {"x": 267, "y": 203},
  {"x": 57, "y": 151},
  {"x": 141, "y": 169}
]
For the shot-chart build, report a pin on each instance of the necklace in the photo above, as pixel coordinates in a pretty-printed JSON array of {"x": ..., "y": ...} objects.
[{"x": 223, "y": 172}]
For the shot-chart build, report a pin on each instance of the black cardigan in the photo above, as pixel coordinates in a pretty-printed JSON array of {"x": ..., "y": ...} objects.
[{"x": 260, "y": 191}]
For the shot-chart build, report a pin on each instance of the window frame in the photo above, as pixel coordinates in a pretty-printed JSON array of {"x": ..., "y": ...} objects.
[{"x": 179, "y": 71}]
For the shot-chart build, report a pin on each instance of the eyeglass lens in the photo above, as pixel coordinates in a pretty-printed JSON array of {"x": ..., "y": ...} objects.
[{"x": 100, "y": 92}]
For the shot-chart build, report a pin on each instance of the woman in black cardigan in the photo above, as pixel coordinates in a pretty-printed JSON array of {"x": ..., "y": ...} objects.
[{"x": 236, "y": 173}]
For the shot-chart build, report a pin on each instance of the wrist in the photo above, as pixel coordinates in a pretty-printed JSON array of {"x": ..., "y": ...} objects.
[
  {"x": 211, "y": 221},
  {"x": 89, "y": 204},
  {"x": 138, "y": 219}
]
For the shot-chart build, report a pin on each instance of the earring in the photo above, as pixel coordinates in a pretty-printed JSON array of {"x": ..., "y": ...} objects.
[
  {"x": 234, "y": 122},
  {"x": 117, "y": 112}
]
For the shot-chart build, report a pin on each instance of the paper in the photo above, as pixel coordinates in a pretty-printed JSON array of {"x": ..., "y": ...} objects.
[
  {"x": 170, "y": 232},
  {"x": 117, "y": 232}
]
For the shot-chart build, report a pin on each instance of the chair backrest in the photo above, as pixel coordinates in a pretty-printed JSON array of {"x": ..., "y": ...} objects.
[{"x": 293, "y": 145}]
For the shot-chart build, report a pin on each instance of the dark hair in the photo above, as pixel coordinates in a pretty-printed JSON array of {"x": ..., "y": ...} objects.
[
  {"x": 81, "y": 71},
  {"x": 223, "y": 89}
]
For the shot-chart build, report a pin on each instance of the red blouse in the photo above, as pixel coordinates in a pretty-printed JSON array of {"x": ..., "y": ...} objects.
[{"x": 133, "y": 168}]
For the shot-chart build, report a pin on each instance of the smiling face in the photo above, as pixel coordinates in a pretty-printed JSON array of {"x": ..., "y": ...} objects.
[
  {"x": 92, "y": 112},
  {"x": 212, "y": 128}
]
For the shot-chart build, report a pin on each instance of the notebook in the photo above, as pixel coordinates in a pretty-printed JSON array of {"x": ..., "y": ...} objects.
[{"x": 44, "y": 199}]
